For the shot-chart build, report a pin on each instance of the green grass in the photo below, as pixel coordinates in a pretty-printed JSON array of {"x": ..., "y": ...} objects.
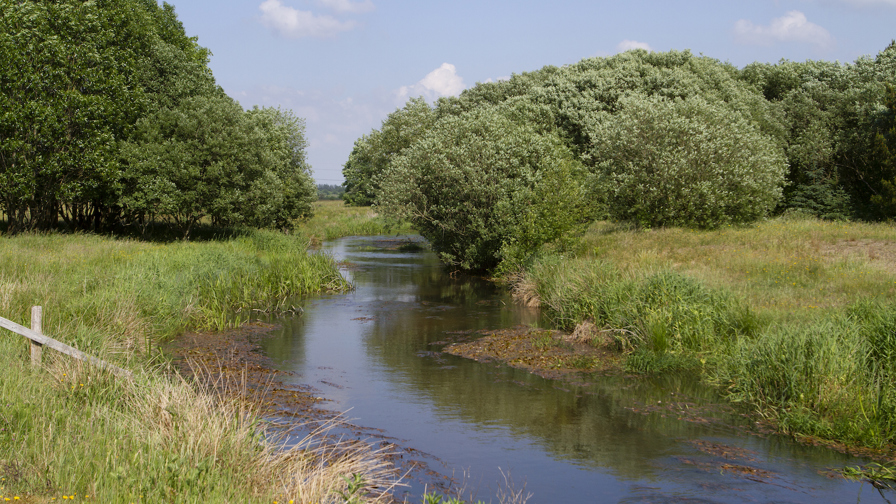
[
  {"x": 68, "y": 429},
  {"x": 334, "y": 219},
  {"x": 794, "y": 316}
]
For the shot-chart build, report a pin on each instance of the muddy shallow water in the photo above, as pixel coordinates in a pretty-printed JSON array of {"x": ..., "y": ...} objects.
[{"x": 376, "y": 353}]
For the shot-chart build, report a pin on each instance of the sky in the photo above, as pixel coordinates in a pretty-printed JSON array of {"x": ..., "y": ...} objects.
[{"x": 344, "y": 65}]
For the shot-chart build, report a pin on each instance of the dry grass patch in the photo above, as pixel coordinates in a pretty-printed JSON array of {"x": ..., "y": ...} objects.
[{"x": 784, "y": 264}]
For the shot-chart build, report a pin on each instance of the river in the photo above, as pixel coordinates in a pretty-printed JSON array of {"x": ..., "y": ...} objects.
[{"x": 374, "y": 354}]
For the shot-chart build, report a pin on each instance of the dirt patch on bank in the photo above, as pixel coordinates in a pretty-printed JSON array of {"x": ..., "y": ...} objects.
[
  {"x": 549, "y": 354},
  {"x": 232, "y": 363}
]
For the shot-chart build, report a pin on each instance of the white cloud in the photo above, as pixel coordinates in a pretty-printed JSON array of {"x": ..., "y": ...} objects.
[
  {"x": 792, "y": 27},
  {"x": 347, "y": 6},
  {"x": 442, "y": 81},
  {"x": 628, "y": 45},
  {"x": 294, "y": 23}
]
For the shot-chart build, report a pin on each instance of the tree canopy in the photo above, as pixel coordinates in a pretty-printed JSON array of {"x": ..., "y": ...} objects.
[
  {"x": 649, "y": 138},
  {"x": 110, "y": 116}
]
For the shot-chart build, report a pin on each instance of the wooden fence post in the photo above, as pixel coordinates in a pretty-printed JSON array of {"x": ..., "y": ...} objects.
[{"x": 36, "y": 348}]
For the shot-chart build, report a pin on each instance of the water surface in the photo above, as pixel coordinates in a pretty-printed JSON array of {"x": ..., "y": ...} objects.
[{"x": 374, "y": 353}]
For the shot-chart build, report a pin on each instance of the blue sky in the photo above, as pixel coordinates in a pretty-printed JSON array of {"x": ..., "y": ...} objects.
[{"x": 344, "y": 65}]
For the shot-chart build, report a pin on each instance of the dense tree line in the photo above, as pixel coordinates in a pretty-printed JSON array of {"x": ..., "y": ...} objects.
[
  {"x": 110, "y": 117},
  {"x": 654, "y": 139},
  {"x": 330, "y": 191}
]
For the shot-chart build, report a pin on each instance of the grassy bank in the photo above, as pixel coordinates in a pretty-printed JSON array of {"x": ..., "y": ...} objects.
[
  {"x": 794, "y": 316},
  {"x": 68, "y": 430},
  {"x": 333, "y": 219}
]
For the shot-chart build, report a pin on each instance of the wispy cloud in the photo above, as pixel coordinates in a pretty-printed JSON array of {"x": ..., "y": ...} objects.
[
  {"x": 347, "y": 6},
  {"x": 294, "y": 23},
  {"x": 442, "y": 81},
  {"x": 792, "y": 27},
  {"x": 628, "y": 45}
]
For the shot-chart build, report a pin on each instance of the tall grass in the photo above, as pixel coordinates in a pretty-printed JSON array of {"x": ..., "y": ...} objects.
[
  {"x": 98, "y": 291},
  {"x": 832, "y": 377},
  {"x": 795, "y": 316},
  {"x": 70, "y": 430}
]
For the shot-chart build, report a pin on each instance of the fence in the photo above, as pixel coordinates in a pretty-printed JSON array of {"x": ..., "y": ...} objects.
[{"x": 40, "y": 340}]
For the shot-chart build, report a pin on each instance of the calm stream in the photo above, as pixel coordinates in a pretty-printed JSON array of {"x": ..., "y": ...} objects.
[{"x": 371, "y": 352}]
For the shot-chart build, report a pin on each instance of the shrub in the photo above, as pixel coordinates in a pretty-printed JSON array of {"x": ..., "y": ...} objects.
[
  {"x": 684, "y": 162},
  {"x": 486, "y": 185}
]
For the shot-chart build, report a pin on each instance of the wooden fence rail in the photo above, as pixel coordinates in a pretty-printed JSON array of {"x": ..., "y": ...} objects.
[{"x": 40, "y": 340}]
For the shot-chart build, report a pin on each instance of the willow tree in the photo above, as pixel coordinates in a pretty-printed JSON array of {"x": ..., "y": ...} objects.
[
  {"x": 373, "y": 153},
  {"x": 489, "y": 185}
]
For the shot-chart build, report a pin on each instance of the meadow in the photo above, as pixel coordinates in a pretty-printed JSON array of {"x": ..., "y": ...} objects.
[
  {"x": 72, "y": 432},
  {"x": 793, "y": 316}
]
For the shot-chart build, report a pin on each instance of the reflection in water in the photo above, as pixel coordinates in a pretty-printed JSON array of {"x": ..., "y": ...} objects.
[{"x": 375, "y": 352}]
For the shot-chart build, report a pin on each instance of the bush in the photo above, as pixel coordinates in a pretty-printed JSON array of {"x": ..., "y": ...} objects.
[
  {"x": 684, "y": 162},
  {"x": 488, "y": 185}
]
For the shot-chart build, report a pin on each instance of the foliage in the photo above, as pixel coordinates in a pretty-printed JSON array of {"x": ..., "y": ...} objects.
[
  {"x": 684, "y": 162},
  {"x": 883, "y": 158},
  {"x": 594, "y": 87},
  {"x": 833, "y": 113},
  {"x": 110, "y": 116},
  {"x": 69, "y": 90},
  {"x": 482, "y": 182},
  {"x": 373, "y": 153},
  {"x": 330, "y": 192}
]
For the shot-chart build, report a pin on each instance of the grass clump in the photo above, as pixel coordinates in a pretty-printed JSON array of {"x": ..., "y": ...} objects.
[
  {"x": 662, "y": 313},
  {"x": 794, "y": 316},
  {"x": 71, "y": 430}
]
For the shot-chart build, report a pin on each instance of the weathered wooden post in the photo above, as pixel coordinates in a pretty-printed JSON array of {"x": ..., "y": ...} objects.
[{"x": 36, "y": 348}]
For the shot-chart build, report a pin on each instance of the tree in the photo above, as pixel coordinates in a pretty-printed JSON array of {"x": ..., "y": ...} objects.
[
  {"x": 482, "y": 186},
  {"x": 684, "y": 162},
  {"x": 831, "y": 113},
  {"x": 884, "y": 158},
  {"x": 69, "y": 91},
  {"x": 208, "y": 158},
  {"x": 285, "y": 190},
  {"x": 109, "y": 114},
  {"x": 373, "y": 153},
  {"x": 189, "y": 162}
]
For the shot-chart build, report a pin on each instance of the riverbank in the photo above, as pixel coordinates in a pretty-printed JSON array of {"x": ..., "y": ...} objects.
[
  {"x": 793, "y": 316},
  {"x": 72, "y": 432}
]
